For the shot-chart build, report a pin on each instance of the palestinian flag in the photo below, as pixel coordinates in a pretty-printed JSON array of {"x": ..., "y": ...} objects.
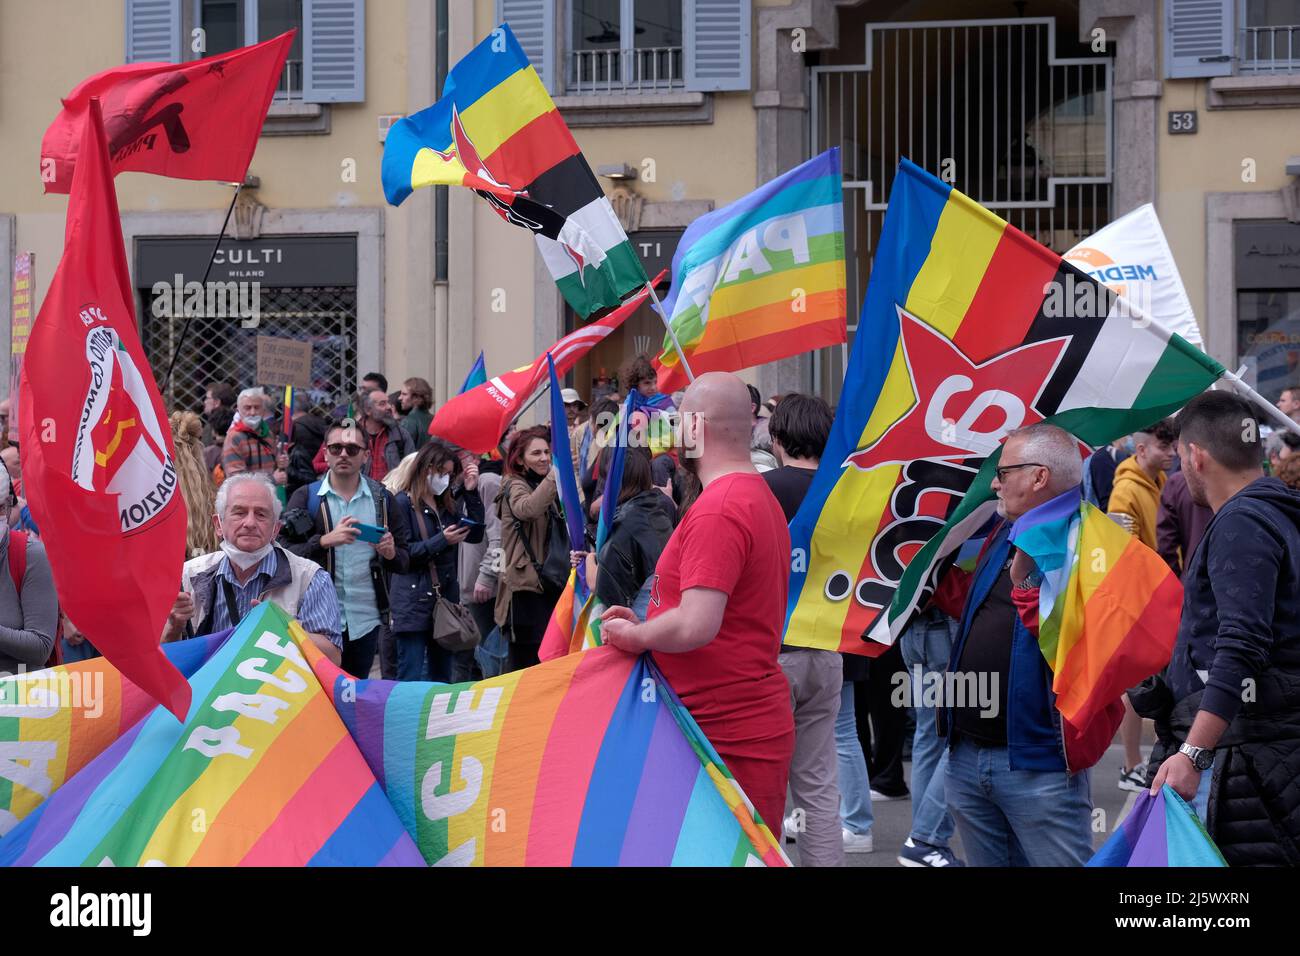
[
  {"x": 969, "y": 329},
  {"x": 497, "y": 131}
]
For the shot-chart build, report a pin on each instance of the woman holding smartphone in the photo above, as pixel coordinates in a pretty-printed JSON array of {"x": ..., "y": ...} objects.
[{"x": 442, "y": 506}]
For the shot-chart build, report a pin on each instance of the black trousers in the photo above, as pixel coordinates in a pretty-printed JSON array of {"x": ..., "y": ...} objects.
[
  {"x": 359, "y": 655},
  {"x": 882, "y": 727},
  {"x": 530, "y": 612}
]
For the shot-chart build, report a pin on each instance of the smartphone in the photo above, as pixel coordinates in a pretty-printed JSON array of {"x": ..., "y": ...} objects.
[
  {"x": 468, "y": 522},
  {"x": 370, "y": 533}
]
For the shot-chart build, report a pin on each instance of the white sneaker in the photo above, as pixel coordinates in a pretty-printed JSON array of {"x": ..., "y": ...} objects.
[
  {"x": 856, "y": 842},
  {"x": 791, "y": 831}
]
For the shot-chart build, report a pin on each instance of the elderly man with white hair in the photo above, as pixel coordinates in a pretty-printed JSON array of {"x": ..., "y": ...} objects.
[
  {"x": 219, "y": 589},
  {"x": 1017, "y": 776},
  {"x": 250, "y": 444}
]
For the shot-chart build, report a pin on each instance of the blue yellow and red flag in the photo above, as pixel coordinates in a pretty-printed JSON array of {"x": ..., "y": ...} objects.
[
  {"x": 969, "y": 329},
  {"x": 497, "y": 131}
]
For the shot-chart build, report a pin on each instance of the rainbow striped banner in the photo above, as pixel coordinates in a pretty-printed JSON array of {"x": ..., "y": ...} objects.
[
  {"x": 761, "y": 279},
  {"x": 262, "y": 773},
  {"x": 1159, "y": 831},
  {"x": 587, "y": 760},
  {"x": 53, "y": 722},
  {"x": 1108, "y": 607}
]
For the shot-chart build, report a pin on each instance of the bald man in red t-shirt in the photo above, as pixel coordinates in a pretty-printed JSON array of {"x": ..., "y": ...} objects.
[{"x": 717, "y": 608}]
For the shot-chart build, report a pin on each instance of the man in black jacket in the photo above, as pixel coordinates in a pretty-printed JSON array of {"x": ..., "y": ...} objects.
[
  {"x": 1238, "y": 647},
  {"x": 323, "y": 523}
]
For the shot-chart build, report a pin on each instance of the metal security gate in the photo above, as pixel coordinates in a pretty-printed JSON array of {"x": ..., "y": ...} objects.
[
  {"x": 986, "y": 105},
  {"x": 222, "y": 350}
]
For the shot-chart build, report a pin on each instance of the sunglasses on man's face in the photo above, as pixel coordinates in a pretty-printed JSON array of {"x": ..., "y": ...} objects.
[{"x": 340, "y": 449}]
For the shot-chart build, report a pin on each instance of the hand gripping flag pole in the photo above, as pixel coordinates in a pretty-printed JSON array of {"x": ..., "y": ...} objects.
[{"x": 659, "y": 307}]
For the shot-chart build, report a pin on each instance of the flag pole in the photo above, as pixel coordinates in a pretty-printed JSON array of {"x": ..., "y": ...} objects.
[
  {"x": 185, "y": 329},
  {"x": 1275, "y": 414},
  {"x": 659, "y": 307},
  {"x": 531, "y": 402}
]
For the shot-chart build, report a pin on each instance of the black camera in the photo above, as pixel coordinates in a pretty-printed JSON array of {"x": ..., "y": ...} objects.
[{"x": 299, "y": 525}]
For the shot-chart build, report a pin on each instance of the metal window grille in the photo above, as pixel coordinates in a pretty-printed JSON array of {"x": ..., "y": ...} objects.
[
  {"x": 987, "y": 105},
  {"x": 220, "y": 349},
  {"x": 1269, "y": 49},
  {"x": 642, "y": 70}
]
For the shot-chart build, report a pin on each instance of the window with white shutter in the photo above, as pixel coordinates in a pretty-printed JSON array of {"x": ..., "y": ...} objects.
[
  {"x": 153, "y": 31},
  {"x": 718, "y": 44},
  {"x": 334, "y": 51},
  {"x": 533, "y": 24},
  {"x": 1198, "y": 38}
]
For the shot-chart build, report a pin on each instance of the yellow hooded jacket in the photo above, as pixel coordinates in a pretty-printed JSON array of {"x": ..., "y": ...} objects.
[{"x": 1137, "y": 496}]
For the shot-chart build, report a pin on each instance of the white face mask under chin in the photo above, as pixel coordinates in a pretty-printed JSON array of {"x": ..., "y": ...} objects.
[{"x": 245, "y": 559}]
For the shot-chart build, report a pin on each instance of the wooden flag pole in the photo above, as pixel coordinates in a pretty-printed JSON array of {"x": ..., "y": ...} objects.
[{"x": 659, "y": 307}]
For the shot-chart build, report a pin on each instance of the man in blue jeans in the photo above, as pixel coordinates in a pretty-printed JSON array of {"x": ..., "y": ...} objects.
[
  {"x": 1017, "y": 781},
  {"x": 926, "y": 646}
]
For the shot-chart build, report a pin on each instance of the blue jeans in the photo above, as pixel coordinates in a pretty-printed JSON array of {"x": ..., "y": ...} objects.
[
  {"x": 641, "y": 603},
  {"x": 1201, "y": 802},
  {"x": 419, "y": 657},
  {"x": 927, "y": 643},
  {"x": 855, "y": 786},
  {"x": 1017, "y": 817}
]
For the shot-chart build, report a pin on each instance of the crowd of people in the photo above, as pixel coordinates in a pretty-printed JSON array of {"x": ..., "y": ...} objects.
[{"x": 406, "y": 557}]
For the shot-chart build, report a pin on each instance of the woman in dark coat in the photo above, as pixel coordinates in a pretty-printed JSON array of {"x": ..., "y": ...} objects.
[
  {"x": 642, "y": 525},
  {"x": 442, "y": 490}
]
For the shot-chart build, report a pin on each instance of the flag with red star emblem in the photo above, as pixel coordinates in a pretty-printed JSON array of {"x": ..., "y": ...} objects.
[
  {"x": 98, "y": 463},
  {"x": 969, "y": 330}
]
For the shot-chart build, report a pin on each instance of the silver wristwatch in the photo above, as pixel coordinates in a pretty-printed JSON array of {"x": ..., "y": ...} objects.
[{"x": 1202, "y": 758}]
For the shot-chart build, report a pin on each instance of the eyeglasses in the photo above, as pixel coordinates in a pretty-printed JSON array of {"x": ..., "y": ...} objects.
[
  {"x": 340, "y": 449},
  {"x": 1002, "y": 472}
]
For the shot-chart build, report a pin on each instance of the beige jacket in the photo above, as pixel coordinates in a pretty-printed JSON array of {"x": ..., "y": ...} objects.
[{"x": 528, "y": 506}]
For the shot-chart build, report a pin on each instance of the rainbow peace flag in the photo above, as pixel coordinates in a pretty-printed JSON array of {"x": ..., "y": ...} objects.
[
  {"x": 1159, "y": 831},
  {"x": 587, "y": 760},
  {"x": 497, "y": 131},
  {"x": 261, "y": 773},
  {"x": 762, "y": 278},
  {"x": 1108, "y": 607},
  {"x": 55, "y": 721},
  {"x": 968, "y": 330}
]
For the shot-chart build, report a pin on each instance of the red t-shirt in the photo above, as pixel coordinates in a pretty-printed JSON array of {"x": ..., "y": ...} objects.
[{"x": 733, "y": 539}]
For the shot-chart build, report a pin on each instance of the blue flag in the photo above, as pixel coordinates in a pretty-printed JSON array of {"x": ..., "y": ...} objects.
[
  {"x": 562, "y": 459},
  {"x": 477, "y": 375}
]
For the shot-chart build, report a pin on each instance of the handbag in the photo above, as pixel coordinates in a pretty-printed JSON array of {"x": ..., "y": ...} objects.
[
  {"x": 454, "y": 628},
  {"x": 554, "y": 570}
]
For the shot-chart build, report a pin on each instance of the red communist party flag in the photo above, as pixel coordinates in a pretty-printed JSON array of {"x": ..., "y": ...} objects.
[
  {"x": 476, "y": 419},
  {"x": 196, "y": 120},
  {"x": 98, "y": 463}
]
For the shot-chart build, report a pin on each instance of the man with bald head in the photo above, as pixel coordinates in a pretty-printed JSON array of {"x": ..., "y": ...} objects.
[
  {"x": 1017, "y": 777},
  {"x": 717, "y": 604}
]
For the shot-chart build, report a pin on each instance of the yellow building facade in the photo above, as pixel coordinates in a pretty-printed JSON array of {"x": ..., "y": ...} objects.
[{"x": 1061, "y": 120}]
